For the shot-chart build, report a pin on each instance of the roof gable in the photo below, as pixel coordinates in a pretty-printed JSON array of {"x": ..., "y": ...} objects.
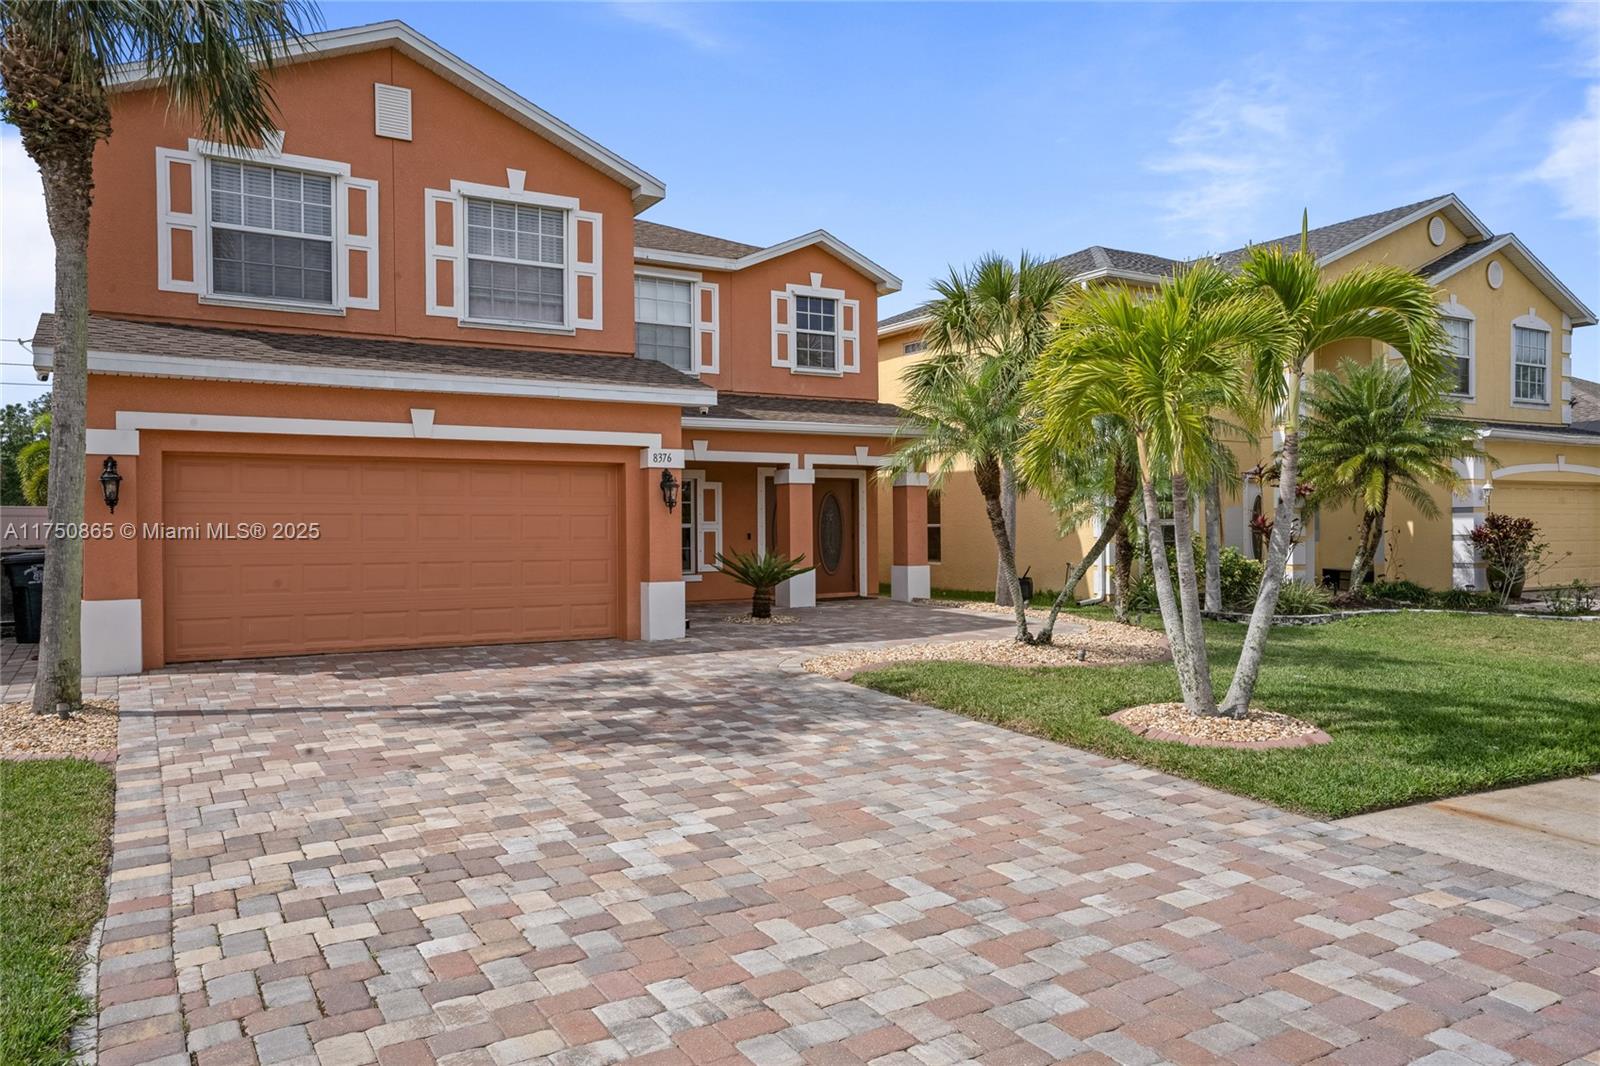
[
  {"x": 646, "y": 189},
  {"x": 669, "y": 245}
]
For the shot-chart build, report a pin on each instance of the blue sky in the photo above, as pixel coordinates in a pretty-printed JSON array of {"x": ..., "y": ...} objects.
[{"x": 926, "y": 135}]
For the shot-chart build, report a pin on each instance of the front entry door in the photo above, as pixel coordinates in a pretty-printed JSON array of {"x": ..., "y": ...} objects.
[{"x": 834, "y": 537}]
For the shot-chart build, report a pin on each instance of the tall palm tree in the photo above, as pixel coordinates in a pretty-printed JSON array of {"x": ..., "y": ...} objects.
[
  {"x": 1376, "y": 302},
  {"x": 1369, "y": 434},
  {"x": 213, "y": 58},
  {"x": 1164, "y": 365},
  {"x": 986, "y": 328}
]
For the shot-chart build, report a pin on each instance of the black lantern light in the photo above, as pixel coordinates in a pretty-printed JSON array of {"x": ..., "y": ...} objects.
[
  {"x": 110, "y": 484},
  {"x": 669, "y": 489}
]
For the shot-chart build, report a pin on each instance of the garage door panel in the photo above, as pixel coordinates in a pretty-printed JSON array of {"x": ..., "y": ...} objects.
[
  {"x": 1568, "y": 517},
  {"x": 410, "y": 554}
]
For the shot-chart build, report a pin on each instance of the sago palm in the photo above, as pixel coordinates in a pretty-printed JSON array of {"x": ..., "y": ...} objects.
[
  {"x": 1165, "y": 366},
  {"x": 213, "y": 59},
  {"x": 987, "y": 326},
  {"x": 761, "y": 573},
  {"x": 1368, "y": 434},
  {"x": 1377, "y": 302}
]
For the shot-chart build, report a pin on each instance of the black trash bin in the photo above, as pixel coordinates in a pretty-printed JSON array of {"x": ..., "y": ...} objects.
[
  {"x": 1026, "y": 584},
  {"x": 25, "y": 575}
]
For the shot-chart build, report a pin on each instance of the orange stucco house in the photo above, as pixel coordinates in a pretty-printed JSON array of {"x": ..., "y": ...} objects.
[{"x": 412, "y": 373}]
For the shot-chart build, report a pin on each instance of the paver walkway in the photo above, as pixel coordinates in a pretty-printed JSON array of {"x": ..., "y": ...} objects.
[{"x": 587, "y": 853}]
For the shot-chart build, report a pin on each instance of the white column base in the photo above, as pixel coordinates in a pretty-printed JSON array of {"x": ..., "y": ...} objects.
[
  {"x": 661, "y": 610},
  {"x": 909, "y": 582},
  {"x": 799, "y": 591},
  {"x": 113, "y": 638}
]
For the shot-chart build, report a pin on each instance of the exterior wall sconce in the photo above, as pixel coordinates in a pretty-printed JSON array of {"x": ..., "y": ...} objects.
[
  {"x": 110, "y": 484},
  {"x": 669, "y": 489}
]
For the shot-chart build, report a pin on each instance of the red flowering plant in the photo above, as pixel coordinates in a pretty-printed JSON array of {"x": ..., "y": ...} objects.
[{"x": 1511, "y": 550}]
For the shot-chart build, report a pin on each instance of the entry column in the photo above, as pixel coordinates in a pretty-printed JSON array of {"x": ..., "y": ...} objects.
[
  {"x": 908, "y": 576},
  {"x": 661, "y": 599},
  {"x": 794, "y": 539}
]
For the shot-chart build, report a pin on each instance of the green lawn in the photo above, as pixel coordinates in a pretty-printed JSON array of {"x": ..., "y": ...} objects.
[
  {"x": 1419, "y": 706},
  {"x": 55, "y": 823}
]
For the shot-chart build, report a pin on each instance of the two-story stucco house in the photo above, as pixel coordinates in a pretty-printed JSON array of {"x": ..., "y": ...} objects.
[
  {"x": 419, "y": 359},
  {"x": 1510, "y": 320}
]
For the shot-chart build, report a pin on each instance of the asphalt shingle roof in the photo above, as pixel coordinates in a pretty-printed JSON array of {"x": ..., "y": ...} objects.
[
  {"x": 1585, "y": 405},
  {"x": 362, "y": 353},
  {"x": 1325, "y": 239},
  {"x": 672, "y": 239},
  {"x": 1450, "y": 259},
  {"x": 799, "y": 409}
]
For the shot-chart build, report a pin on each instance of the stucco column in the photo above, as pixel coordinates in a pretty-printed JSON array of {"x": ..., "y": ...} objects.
[
  {"x": 794, "y": 537},
  {"x": 908, "y": 575},
  {"x": 661, "y": 598},
  {"x": 113, "y": 638},
  {"x": 1469, "y": 505}
]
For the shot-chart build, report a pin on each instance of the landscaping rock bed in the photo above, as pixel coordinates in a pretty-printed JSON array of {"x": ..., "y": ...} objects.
[
  {"x": 1090, "y": 643},
  {"x": 775, "y": 620},
  {"x": 1258, "y": 730},
  {"x": 90, "y": 734}
]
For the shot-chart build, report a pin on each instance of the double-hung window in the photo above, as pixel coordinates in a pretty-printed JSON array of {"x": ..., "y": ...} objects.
[
  {"x": 689, "y": 519},
  {"x": 663, "y": 321},
  {"x": 1530, "y": 365},
  {"x": 516, "y": 263},
  {"x": 1459, "y": 332},
  {"x": 816, "y": 333},
  {"x": 271, "y": 232}
]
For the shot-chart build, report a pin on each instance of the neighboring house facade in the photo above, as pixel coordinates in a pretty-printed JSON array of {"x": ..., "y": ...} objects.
[
  {"x": 422, "y": 361},
  {"x": 1510, "y": 321}
]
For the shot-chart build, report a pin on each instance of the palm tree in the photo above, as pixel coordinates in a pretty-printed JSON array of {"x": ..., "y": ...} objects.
[
  {"x": 1368, "y": 434},
  {"x": 1095, "y": 465},
  {"x": 986, "y": 328},
  {"x": 1163, "y": 365},
  {"x": 213, "y": 58},
  {"x": 761, "y": 573},
  {"x": 33, "y": 463},
  {"x": 1375, "y": 302}
]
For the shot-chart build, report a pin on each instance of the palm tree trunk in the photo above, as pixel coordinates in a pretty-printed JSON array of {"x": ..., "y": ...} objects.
[
  {"x": 1248, "y": 671},
  {"x": 988, "y": 475},
  {"x": 1214, "y": 545},
  {"x": 1122, "y": 573},
  {"x": 1371, "y": 534},
  {"x": 1200, "y": 698},
  {"x": 1003, "y": 592},
  {"x": 58, "y": 684},
  {"x": 1162, "y": 578},
  {"x": 1120, "y": 501}
]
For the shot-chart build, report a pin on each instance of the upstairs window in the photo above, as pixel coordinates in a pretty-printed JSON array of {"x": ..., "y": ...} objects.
[
  {"x": 1530, "y": 365},
  {"x": 1459, "y": 332},
  {"x": 516, "y": 263},
  {"x": 663, "y": 313},
  {"x": 816, "y": 333},
  {"x": 271, "y": 233}
]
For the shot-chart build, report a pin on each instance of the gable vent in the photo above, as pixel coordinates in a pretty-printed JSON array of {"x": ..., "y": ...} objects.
[{"x": 393, "y": 107}]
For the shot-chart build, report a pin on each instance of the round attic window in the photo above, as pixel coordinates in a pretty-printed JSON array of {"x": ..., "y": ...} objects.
[
  {"x": 1436, "y": 230},
  {"x": 1497, "y": 274}
]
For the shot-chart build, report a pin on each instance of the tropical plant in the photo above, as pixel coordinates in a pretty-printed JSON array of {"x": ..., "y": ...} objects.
[
  {"x": 1164, "y": 365},
  {"x": 1367, "y": 434},
  {"x": 1380, "y": 303},
  {"x": 213, "y": 59},
  {"x": 18, "y": 422},
  {"x": 1397, "y": 592},
  {"x": 1302, "y": 598},
  {"x": 1511, "y": 551},
  {"x": 986, "y": 328},
  {"x": 1465, "y": 600},
  {"x": 761, "y": 573},
  {"x": 33, "y": 463},
  {"x": 1574, "y": 598}
]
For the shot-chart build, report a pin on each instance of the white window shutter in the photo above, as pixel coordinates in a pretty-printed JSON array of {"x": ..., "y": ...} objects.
[
  {"x": 180, "y": 186},
  {"x": 444, "y": 280},
  {"x": 587, "y": 268},
  {"x": 782, "y": 329},
  {"x": 706, "y": 331},
  {"x": 391, "y": 105},
  {"x": 710, "y": 524},
  {"x": 360, "y": 243},
  {"x": 850, "y": 335}
]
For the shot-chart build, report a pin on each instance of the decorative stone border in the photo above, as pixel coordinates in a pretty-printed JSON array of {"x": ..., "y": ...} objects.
[{"x": 1304, "y": 740}]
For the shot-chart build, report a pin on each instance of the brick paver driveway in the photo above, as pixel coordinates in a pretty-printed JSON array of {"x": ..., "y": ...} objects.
[{"x": 586, "y": 853}]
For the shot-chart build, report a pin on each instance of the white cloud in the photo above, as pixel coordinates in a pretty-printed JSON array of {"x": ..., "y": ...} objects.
[
  {"x": 1580, "y": 22},
  {"x": 27, "y": 267},
  {"x": 1572, "y": 169},
  {"x": 676, "y": 19},
  {"x": 1238, "y": 149}
]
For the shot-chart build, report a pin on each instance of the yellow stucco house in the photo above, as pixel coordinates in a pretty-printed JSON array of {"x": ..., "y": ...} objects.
[{"x": 1511, "y": 321}]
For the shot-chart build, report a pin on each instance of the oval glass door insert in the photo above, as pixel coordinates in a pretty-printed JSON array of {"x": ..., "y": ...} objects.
[{"x": 832, "y": 533}]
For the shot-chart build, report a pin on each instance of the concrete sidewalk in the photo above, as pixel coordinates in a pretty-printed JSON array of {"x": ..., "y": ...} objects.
[{"x": 1547, "y": 832}]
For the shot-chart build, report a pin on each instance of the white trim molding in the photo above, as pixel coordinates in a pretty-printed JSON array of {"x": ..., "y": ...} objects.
[
  {"x": 1532, "y": 323},
  {"x": 885, "y": 281},
  {"x": 113, "y": 638},
  {"x": 1542, "y": 277},
  {"x": 798, "y": 591},
  {"x": 911, "y": 480},
  {"x": 909, "y": 583},
  {"x": 751, "y": 425},
  {"x": 111, "y": 441},
  {"x": 1560, "y": 466},
  {"x": 661, "y": 610},
  {"x": 793, "y": 476},
  {"x": 177, "y": 366},
  {"x": 863, "y": 585}
]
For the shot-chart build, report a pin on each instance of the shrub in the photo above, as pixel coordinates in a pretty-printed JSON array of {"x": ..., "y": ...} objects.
[
  {"x": 1300, "y": 598},
  {"x": 1573, "y": 599},
  {"x": 1465, "y": 600},
  {"x": 1399, "y": 592},
  {"x": 1241, "y": 578},
  {"x": 1511, "y": 550}
]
